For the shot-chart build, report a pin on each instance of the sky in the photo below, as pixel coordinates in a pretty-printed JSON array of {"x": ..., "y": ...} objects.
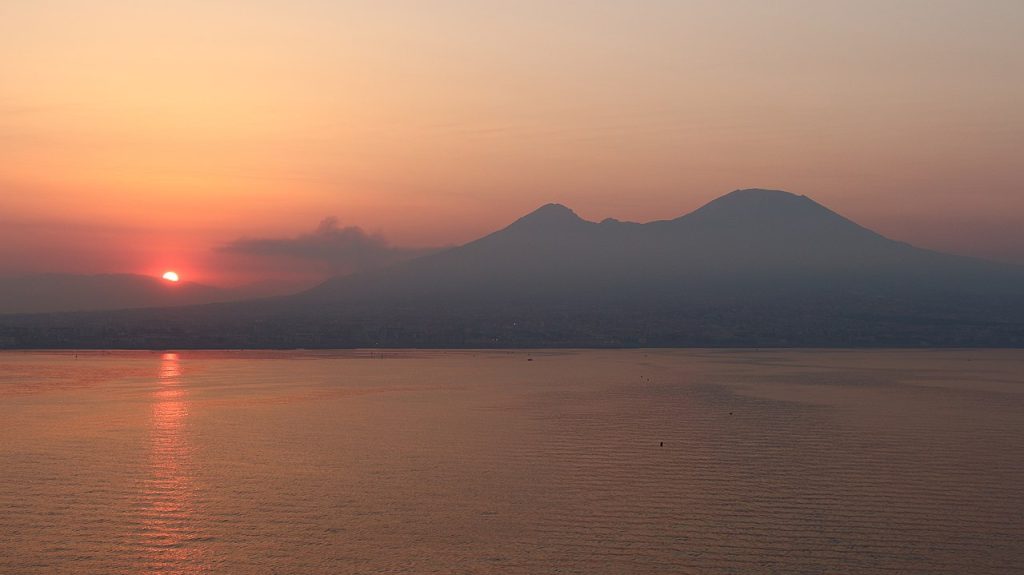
[{"x": 138, "y": 136}]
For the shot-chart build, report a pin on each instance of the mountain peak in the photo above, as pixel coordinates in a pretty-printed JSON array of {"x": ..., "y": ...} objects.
[
  {"x": 755, "y": 215},
  {"x": 761, "y": 195},
  {"x": 553, "y": 210},
  {"x": 760, "y": 203},
  {"x": 548, "y": 216}
]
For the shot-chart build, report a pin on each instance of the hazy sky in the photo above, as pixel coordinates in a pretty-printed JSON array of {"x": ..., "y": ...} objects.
[{"x": 141, "y": 135}]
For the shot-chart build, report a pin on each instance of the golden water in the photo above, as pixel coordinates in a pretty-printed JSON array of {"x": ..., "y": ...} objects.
[{"x": 512, "y": 462}]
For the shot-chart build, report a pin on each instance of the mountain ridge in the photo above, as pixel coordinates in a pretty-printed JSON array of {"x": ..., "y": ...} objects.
[{"x": 747, "y": 230}]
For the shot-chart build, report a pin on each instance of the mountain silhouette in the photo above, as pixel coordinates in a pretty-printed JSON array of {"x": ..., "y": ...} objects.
[
  {"x": 751, "y": 268},
  {"x": 765, "y": 238}
]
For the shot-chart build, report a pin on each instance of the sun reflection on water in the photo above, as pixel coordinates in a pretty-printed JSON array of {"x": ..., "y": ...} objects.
[{"x": 169, "y": 492}]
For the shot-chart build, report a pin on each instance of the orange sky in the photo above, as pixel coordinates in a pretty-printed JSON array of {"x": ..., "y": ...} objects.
[{"x": 139, "y": 135}]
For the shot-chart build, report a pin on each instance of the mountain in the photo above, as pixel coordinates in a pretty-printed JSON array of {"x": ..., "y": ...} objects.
[
  {"x": 748, "y": 238},
  {"x": 47, "y": 293},
  {"x": 751, "y": 268}
]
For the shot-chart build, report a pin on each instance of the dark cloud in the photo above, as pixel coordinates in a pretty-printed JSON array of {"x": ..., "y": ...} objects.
[{"x": 340, "y": 249}]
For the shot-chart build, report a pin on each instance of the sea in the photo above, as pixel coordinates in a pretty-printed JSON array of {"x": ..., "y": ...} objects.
[{"x": 523, "y": 462}]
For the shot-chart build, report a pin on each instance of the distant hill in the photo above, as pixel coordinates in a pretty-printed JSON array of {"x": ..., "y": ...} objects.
[
  {"x": 47, "y": 293},
  {"x": 751, "y": 268}
]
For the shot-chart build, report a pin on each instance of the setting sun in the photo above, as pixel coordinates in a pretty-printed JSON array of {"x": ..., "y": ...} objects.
[{"x": 171, "y": 276}]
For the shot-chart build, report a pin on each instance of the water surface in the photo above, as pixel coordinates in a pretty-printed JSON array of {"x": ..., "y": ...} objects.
[{"x": 512, "y": 462}]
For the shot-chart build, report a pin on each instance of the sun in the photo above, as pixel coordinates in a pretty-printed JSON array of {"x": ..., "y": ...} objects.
[{"x": 170, "y": 276}]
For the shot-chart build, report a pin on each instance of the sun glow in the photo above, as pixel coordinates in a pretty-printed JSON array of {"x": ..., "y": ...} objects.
[{"x": 171, "y": 276}]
